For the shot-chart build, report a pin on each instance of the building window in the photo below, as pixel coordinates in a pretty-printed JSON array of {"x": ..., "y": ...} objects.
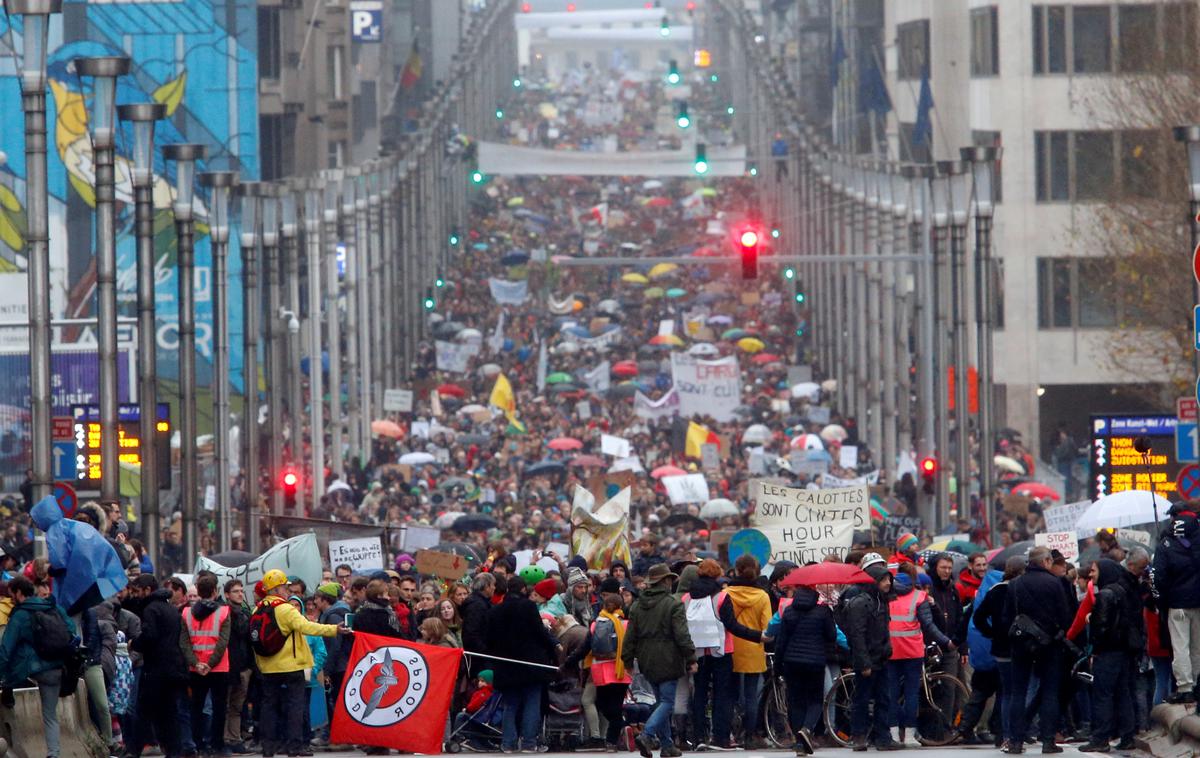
[
  {"x": 1091, "y": 33},
  {"x": 1179, "y": 35},
  {"x": 985, "y": 42},
  {"x": 271, "y": 146},
  {"x": 1092, "y": 158},
  {"x": 1052, "y": 166},
  {"x": 912, "y": 45},
  {"x": 992, "y": 139},
  {"x": 270, "y": 43},
  {"x": 1049, "y": 39},
  {"x": 1100, "y": 165},
  {"x": 1143, "y": 156},
  {"x": 1078, "y": 293},
  {"x": 1138, "y": 39},
  {"x": 1124, "y": 38}
]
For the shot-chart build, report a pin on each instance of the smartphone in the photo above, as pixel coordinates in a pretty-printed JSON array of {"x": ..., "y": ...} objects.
[{"x": 350, "y": 620}]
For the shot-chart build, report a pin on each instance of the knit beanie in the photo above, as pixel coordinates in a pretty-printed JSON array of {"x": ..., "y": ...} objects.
[
  {"x": 906, "y": 541},
  {"x": 547, "y": 588}
]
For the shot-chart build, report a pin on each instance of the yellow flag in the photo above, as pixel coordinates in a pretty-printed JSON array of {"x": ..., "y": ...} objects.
[
  {"x": 502, "y": 395},
  {"x": 697, "y": 435}
]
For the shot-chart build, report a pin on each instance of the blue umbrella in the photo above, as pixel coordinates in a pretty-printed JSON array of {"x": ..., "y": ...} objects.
[
  {"x": 514, "y": 258},
  {"x": 324, "y": 363},
  {"x": 85, "y": 568},
  {"x": 479, "y": 246}
]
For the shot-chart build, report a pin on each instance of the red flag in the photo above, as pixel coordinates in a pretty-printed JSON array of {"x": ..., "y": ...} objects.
[
  {"x": 396, "y": 694},
  {"x": 413, "y": 68}
]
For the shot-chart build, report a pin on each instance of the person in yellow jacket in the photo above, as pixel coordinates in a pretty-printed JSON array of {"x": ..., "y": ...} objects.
[
  {"x": 284, "y": 697},
  {"x": 752, "y": 609}
]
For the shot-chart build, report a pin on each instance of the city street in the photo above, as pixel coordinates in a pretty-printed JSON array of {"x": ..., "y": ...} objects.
[{"x": 925, "y": 752}]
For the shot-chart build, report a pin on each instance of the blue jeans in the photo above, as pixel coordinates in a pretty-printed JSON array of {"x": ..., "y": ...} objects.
[
  {"x": 659, "y": 723},
  {"x": 716, "y": 673},
  {"x": 904, "y": 682},
  {"x": 868, "y": 689},
  {"x": 1048, "y": 664},
  {"x": 746, "y": 689},
  {"x": 522, "y": 707},
  {"x": 1006, "y": 700},
  {"x": 1164, "y": 679}
]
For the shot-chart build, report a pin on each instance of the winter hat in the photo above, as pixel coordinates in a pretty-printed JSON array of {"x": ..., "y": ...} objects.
[
  {"x": 487, "y": 675},
  {"x": 903, "y": 581},
  {"x": 331, "y": 590},
  {"x": 404, "y": 558},
  {"x": 611, "y": 585},
  {"x": 876, "y": 570},
  {"x": 871, "y": 559},
  {"x": 547, "y": 588},
  {"x": 575, "y": 576},
  {"x": 924, "y": 580},
  {"x": 906, "y": 541}
]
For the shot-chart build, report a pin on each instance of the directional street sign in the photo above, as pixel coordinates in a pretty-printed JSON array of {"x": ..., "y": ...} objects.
[
  {"x": 64, "y": 460},
  {"x": 65, "y": 495},
  {"x": 1188, "y": 481}
]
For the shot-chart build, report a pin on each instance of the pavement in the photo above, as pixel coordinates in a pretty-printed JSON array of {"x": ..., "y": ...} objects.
[{"x": 926, "y": 752}]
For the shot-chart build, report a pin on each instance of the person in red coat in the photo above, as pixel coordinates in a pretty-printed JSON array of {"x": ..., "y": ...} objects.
[{"x": 971, "y": 576}]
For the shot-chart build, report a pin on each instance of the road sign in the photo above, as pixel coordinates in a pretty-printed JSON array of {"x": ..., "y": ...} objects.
[
  {"x": 1187, "y": 444},
  {"x": 64, "y": 459},
  {"x": 64, "y": 495},
  {"x": 1196, "y": 262},
  {"x": 1196, "y": 326},
  {"x": 1188, "y": 481},
  {"x": 1187, "y": 409},
  {"x": 62, "y": 428}
]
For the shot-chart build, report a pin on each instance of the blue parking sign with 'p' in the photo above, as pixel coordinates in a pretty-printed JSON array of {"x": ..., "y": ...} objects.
[{"x": 366, "y": 21}]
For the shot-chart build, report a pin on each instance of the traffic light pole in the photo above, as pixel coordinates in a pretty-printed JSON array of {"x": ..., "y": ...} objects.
[
  {"x": 333, "y": 335},
  {"x": 316, "y": 365},
  {"x": 350, "y": 282},
  {"x": 274, "y": 378}
]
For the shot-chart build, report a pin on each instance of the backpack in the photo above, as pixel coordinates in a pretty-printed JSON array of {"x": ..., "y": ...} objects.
[
  {"x": 266, "y": 637},
  {"x": 705, "y": 628},
  {"x": 52, "y": 640},
  {"x": 604, "y": 640}
]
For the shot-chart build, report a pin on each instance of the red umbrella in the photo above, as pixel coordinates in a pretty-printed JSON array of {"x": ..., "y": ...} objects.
[
  {"x": 564, "y": 443},
  {"x": 667, "y": 470},
  {"x": 1036, "y": 489},
  {"x": 764, "y": 358},
  {"x": 587, "y": 460},
  {"x": 452, "y": 390},
  {"x": 625, "y": 369},
  {"x": 826, "y": 573},
  {"x": 659, "y": 202}
]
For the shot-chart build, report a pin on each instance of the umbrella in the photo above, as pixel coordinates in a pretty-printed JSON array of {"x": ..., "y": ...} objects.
[
  {"x": 676, "y": 292},
  {"x": 707, "y": 191},
  {"x": 751, "y": 344},
  {"x": 232, "y": 558},
  {"x": 489, "y": 369},
  {"x": 634, "y": 278},
  {"x": 1036, "y": 489},
  {"x": 474, "y": 439},
  {"x": 558, "y": 377},
  {"x": 997, "y": 558},
  {"x": 475, "y": 523},
  {"x": 467, "y": 334},
  {"x": 564, "y": 443},
  {"x": 1124, "y": 509},
  {"x": 386, "y": 428},
  {"x": 455, "y": 481},
  {"x": 608, "y": 306},
  {"x": 566, "y": 347},
  {"x": 667, "y": 470},
  {"x": 653, "y": 293},
  {"x": 733, "y": 334},
  {"x": 447, "y": 329},
  {"x": 470, "y": 409},
  {"x": 621, "y": 391},
  {"x": 587, "y": 460},
  {"x": 756, "y": 434},
  {"x": 658, "y": 202},
  {"x": 686, "y": 520},
  {"x": 514, "y": 258},
  {"x": 458, "y": 548},
  {"x": 829, "y": 385},
  {"x": 1010, "y": 465},
  {"x": 826, "y": 573},
  {"x": 625, "y": 369},
  {"x": 447, "y": 519},
  {"x": 703, "y": 348},
  {"x": 834, "y": 432},
  {"x": 720, "y": 319},
  {"x": 810, "y": 390},
  {"x": 764, "y": 358},
  {"x": 662, "y": 269},
  {"x": 651, "y": 184},
  {"x": 562, "y": 387},
  {"x": 806, "y": 442},
  {"x": 1091, "y": 553},
  {"x": 543, "y": 468},
  {"x": 416, "y": 459},
  {"x": 667, "y": 339},
  {"x": 719, "y": 508},
  {"x": 452, "y": 390},
  {"x": 515, "y": 202}
]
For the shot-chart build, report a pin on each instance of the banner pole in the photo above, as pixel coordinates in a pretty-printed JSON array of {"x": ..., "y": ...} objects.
[{"x": 511, "y": 660}]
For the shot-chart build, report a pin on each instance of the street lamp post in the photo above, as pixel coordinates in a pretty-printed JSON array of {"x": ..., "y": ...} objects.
[
  {"x": 362, "y": 257},
  {"x": 102, "y": 122},
  {"x": 316, "y": 375},
  {"x": 887, "y": 322},
  {"x": 143, "y": 117},
  {"x": 220, "y": 184},
  {"x": 269, "y": 210},
  {"x": 35, "y": 19},
  {"x": 351, "y": 243},
  {"x": 874, "y": 322},
  {"x": 249, "y": 239},
  {"x": 982, "y": 161},
  {"x": 333, "y": 189},
  {"x": 288, "y": 316},
  {"x": 185, "y": 157},
  {"x": 902, "y": 289},
  {"x": 960, "y": 202},
  {"x": 939, "y": 206},
  {"x": 1190, "y": 137}
]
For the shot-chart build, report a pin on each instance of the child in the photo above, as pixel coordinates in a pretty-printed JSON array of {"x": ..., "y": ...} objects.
[{"x": 483, "y": 691}]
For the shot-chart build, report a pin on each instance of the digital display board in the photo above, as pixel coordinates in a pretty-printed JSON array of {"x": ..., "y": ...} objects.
[
  {"x": 86, "y": 420},
  {"x": 1115, "y": 463}
]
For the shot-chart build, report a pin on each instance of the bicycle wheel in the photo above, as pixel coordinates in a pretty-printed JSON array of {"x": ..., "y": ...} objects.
[
  {"x": 941, "y": 712},
  {"x": 775, "y": 717},
  {"x": 836, "y": 709}
]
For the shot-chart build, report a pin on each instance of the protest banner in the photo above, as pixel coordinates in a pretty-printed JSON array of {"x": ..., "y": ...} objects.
[
  {"x": 618, "y": 447},
  {"x": 1064, "y": 542},
  {"x": 686, "y": 488},
  {"x": 454, "y": 357},
  {"x": 600, "y": 534},
  {"x": 450, "y": 566},
  {"x": 652, "y": 410},
  {"x": 707, "y": 388},
  {"x": 600, "y": 342},
  {"x": 829, "y": 481},
  {"x": 1139, "y": 536},
  {"x": 1063, "y": 518},
  {"x": 775, "y": 505},
  {"x": 599, "y": 379},
  {"x": 710, "y": 457},
  {"x": 296, "y": 556},
  {"x": 360, "y": 554},
  {"x": 894, "y": 526},
  {"x": 420, "y": 538},
  {"x": 506, "y": 292}
]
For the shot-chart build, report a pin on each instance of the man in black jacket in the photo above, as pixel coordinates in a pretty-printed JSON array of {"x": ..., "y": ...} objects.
[
  {"x": 1112, "y": 662},
  {"x": 164, "y": 675},
  {"x": 1038, "y": 595},
  {"x": 474, "y": 613},
  {"x": 1178, "y": 583},
  {"x": 517, "y": 633},
  {"x": 241, "y": 664},
  {"x": 867, "y": 631}
]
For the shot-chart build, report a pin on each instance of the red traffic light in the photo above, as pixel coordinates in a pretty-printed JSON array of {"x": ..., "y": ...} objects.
[
  {"x": 570, "y": 7},
  {"x": 526, "y": 7},
  {"x": 748, "y": 238},
  {"x": 929, "y": 466},
  {"x": 290, "y": 479}
]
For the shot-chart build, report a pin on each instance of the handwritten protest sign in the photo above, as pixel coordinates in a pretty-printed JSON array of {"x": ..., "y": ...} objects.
[
  {"x": 1064, "y": 542},
  {"x": 1063, "y": 518},
  {"x": 442, "y": 565},
  {"x": 295, "y": 556},
  {"x": 360, "y": 554},
  {"x": 453, "y": 356},
  {"x": 894, "y": 526},
  {"x": 806, "y": 525},
  {"x": 686, "y": 488},
  {"x": 712, "y": 388}
]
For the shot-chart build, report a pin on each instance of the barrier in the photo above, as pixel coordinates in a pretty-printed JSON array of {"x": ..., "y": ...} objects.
[
  {"x": 21, "y": 733},
  {"x": 1174, "y": 732}
]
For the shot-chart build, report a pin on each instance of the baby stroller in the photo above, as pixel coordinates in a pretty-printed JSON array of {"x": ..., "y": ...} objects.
[
  {"x": 563, "y": 728},
  {"x": 479, "y": 731}
]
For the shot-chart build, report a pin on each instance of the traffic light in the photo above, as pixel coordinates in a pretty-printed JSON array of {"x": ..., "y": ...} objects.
[
  {"x": 526, "y": 7},
  {"x": 775, "y": 232},
  {"x": 570, "y": 7},
  {"x": 477, "y": 177},
  {"x": 701, "y": 164},
  {"x": 453, "y": 238},
  {"x": 799, "y": 297},
  {"x": 517, "y": 82},
  {"x": 752, "y": 168},
  {"x": 729, "y": 110},
  {"x": 673, "y": 72},
  {"x": 929, "y": 468},
  {"x": 748, "y": 246},
  {"x": 664, "y": 28},
  {"x": 789, "y": 273},
  {"x": 289, "y": 482},
  {"x": 440, "y": 281},
  {"x": 683, "y": 120},
  {"x": 714, "y": 78},
  {"x": 499, "y": 113},
  {"x": 429, "y": 301}
]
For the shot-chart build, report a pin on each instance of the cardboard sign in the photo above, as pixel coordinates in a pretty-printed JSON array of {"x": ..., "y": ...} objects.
[
  {"x": 1016, "y": 505},
  {"x": 894, "y": 526},
  {"x": 398, "y": 400},
  {"x": 710, "y": 457},
  {"x": 1064, "y": 542},
  {"x": 442, "y": 565},
  {"x": 360, "y": 554},
  {"x": 750, "y": 298},
  {"x": 1063, "y": 518},
  {"x": 807, "y": 525}
]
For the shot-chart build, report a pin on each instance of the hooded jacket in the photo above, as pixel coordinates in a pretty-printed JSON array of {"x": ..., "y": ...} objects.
[
  {"x": 657, "y": 636},
  {"x": 201, "y": 610},
  {"x": 867, "y": 617},
  {"x": 524, "y": 638},
  {"x": 295, "y": 654},
  {"x": 807, "y": 631},
  {"x": 968, "y": 585},
  {"x": 1040, "y": 595},
  {"x": 375, "y": 617},
  {"x": 159, "y": 641},
  {"x": 1177, "y": 564},
  {"x": 337, "y": 650},
  {"x": 474, "y": 613},
  {"x": 18, "y": 659},
  {"x": 981, "y": 645},
  {"x": 752, "y": 608},
  {"x": 1109, "y": 626},
  {"x": 947, "y": 609}
]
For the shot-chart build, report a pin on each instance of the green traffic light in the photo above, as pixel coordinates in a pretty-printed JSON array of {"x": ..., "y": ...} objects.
[
  {"x": 440, "y": 282},
  {"x": 673, "y": 77},
  {"x": 714, "y": 78},
  {"x": 517, "y": 83},
  {"x": 701, "y": 167},
  {"x": 429, "y": 303},
  {"x": 453, "y": 239},
  {"x": 775, "y": 233},
  {"x": 729, "y": 110},
  {"x": 477, "y": 177},
  {"x": 753, "y": 170},
  {"x": 789, "y": 273},
  {"x": 683, "y": 122},
  {"x": 499, "y": 113},
  {"x": 799, "y": 297}
]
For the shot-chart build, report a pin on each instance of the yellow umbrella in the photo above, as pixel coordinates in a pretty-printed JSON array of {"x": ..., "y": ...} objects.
[
  {"x": 515, "y": 202},
  {"x": 662, "y": 269},
  {"x": 652, "y": 292},
  {"x": 634, "y": 278},
  {"x": 941, "y": 543},
  {"x": 548, "y": 110},
  {"x": 750, "y": 344}
]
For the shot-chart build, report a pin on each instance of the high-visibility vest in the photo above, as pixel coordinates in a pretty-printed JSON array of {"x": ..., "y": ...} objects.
[
  {"x": 717, "y": 600},
  {"x": 784, "y": 602},
  {"x": 204, "y": 635},
  {"x": 904, "y": 627}
]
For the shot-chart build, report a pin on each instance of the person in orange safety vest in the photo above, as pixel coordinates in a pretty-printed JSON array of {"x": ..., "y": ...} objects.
[{"x": 204, "y": 640}]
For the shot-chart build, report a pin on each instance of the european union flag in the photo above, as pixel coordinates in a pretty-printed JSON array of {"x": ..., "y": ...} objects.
[{"x": 923, "y": 128}]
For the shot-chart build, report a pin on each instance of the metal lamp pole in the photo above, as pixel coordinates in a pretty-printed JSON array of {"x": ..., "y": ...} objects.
[
  {"x": 1190, "y": 136},
  {"x": 185, "y": 157},
  {"x": 288, "y": 316},
  {"x": 220, "y": 184},
  {"x": 316, "y": 370},
  {"x": 960, "y": 201},
  {"x": 35, "y": 19},
  {"x": 333, "y": 190},
  {"x": 939, "y": 197},
  {"x": 143, "y": 116},
  {"x": 248, "y": 237},
  {"x": 269, "y": 208}
]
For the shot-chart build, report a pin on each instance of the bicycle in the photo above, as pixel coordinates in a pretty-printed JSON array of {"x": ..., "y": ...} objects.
[
  {"x": 940, "y": 712},
  {"x": 775, "y": 710}
]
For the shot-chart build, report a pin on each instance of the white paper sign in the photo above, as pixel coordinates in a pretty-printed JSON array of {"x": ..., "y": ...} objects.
[
  {"x": 686, "y": 488},
  {"x": 652, "y": 410},
  {"x": 831, "y": 482},
  {"x": 360, "y": 554},
  {"x": 666, "y": 327},
  {"x": 707, "y": 388},
  {"x": 818, "y": 414},
  {"x": 618, "y": 447},
  {"x": 454, "y": 356},
  {"x": 598, "y": 379},
  {"x": 848, "y": 456},
  {"x": 297, "y": 556},
  {"x": 1063, "y": 518},
  {"x": 508, "y": 292},
  {"x": 398, "y": 400},
  {"x": 562, "y": 548},
  {"x": 210, "y": 498},
  {"x": 807, "y": 525},
  {"x": 710, "y": 456},
  {"x": 420, "y": 538},
  {"x": 1064, "y": 542}
]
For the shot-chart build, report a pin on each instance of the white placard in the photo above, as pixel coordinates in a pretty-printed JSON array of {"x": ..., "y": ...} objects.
[
  {"x": 710, "y": 456},
  {"x": 831, "y": 482},
  {"x": 398, "y": 400},
  {"x": 652, "y": 410},
  {"x": 562, "y": 548},
  {"x": 210, "y": 498},
  {"x": 686, "y": 488},
  {"x": 666, "y": 327},
  {"x": 1139, "y": 536},
  {"x": 707, "y": 388},
  {"x": 1063, "y": 518},
  {"x": 296, "y": 556},
  {"x": 818, "y": 414},
  {"x": 1063, "y": 542},
  {"x": 420, "y": 538},
  {"x": 507, "y": 292},
  {"x": 599, "y": 379},
  {"x": 807, "y": 525},
  {"x": 617, "y": 447},
  {"x": 360, "y": 553},
  {"x": 419, "y": 429},
  {"x": 848, "y": 457},
  {"x": 583, "y": 409},
  {"x": 454, "y": 356}
]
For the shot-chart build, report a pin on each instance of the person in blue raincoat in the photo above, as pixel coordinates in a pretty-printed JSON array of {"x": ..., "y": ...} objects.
[
  {"x": 85, "y": 568},
  {"x": 985, "y": 677}
]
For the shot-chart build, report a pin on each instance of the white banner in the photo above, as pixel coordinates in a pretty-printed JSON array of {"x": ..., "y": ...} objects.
[
  {"x": 496, "y": 340},
  {"x": 1063, "y": 518},
  {"x": 686, "y": 488},
  {"x": 711, "y": 388},
  {"x": 652, "y": 410},
  {"x": 543, "y": 365},
  {"x": 605, "y": 340},
  {"x": 454, "y": 357},
  {"x": 598, "y": 379},
  {"x": 398, "y": 400},
  {"x": 297, "y": 556},
  {"x": 507, "y": 292},
  {"x": 618, "y": 447},
  {"x": 831, "y": 482},
  {"x": 360, "y": 554},
  {"x": 807, "y": 525}
]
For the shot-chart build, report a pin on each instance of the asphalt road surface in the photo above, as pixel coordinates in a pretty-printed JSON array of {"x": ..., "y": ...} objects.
[{"x": 926, "y": 752}]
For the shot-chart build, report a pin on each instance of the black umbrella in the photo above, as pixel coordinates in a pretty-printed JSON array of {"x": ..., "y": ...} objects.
[
  {"x": 686, "y": 520},
  {"x": 231, "y": 558},
  {"x": 447, "y": 329},
  {"x": 458, "y": 548},
  {"x": 474, "y": 523},
  {"x": 620, "y": 391},
  {"x": 1021, "y": 548},
  {"x": 455, "y": 481},
  {"x": 544, "y": 468}
]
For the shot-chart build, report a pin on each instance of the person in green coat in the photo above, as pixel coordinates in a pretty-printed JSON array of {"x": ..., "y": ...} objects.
[
  {"x": 19, "y": 660},
  {"x": 657, "y": 639}
]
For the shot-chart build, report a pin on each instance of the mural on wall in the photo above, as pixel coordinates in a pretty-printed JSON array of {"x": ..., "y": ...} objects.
[{"x": 198, "y": 58}]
